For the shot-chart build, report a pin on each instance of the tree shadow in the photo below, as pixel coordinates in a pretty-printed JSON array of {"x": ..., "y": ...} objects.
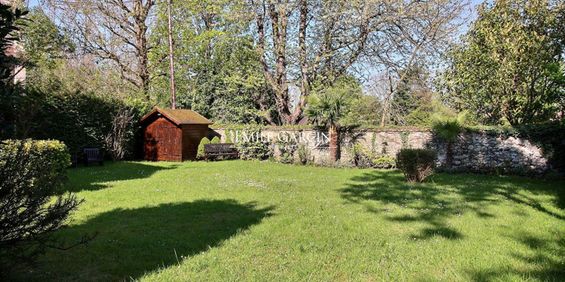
[
  {"x": 543, "y": 260},
  {"x": 447, "y": 196},
  {"x": 132, "y": 242},
  {"x": 93, "y": 178}
]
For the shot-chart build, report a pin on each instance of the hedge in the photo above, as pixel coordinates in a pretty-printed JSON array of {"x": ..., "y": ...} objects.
[
  {"x": 47, "y": 160},
  {"x": 78, "y": 119},
  {"x": 32, "y": 201}
]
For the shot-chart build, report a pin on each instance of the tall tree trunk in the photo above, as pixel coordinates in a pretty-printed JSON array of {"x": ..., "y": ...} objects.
[
  {"x": 304, "y": 79},
  {"x": 279, "y": 23},
  {"x": 334, "y": 143},
  {"x": 140, "y": 13}
]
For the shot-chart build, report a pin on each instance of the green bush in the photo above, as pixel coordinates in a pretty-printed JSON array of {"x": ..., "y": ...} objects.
[
  {"x": 258, "y": 150},
  {"x": 215, "y": 140},
  {"x": 253, "y": 147},
  {"x": 43, "y": 155},
  {"x": 200, "y": 154},
  {"x": 304, "y": 155},
  {"x": 416, "y": 164},
  {"x": 229, "y": 138},
  {"x": 384, "y": 162},
  {"x": 287, "y": 148},
  {"x": 361, "y": 156},
  {"x": 447, "y": 129},
  {"x": 32, "y": 174}
]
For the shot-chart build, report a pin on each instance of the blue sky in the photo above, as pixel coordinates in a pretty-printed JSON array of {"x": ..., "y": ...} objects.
[
  {"x": 474, "y": 3},
  {"x": 32, "y": 3}
]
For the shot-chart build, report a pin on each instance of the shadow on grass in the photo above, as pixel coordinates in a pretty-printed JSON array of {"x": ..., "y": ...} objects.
[
  {"x": 544, "y": 260},
  {"x": 133, "y": 242},
  {"x": 448, "y": 195},
  {"x": 93, "y": 178}
]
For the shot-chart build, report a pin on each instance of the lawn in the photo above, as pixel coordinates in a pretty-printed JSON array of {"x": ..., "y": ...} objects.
[{"x": 237, "y": 220}]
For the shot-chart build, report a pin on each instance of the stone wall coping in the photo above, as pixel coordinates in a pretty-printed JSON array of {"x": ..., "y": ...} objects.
[{"x": 282, "y": 128}]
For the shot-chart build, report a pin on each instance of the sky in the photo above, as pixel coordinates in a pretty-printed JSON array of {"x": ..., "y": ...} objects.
[
  {"x": 470, "y": 14},
  {"x": 474, "y": 3}
]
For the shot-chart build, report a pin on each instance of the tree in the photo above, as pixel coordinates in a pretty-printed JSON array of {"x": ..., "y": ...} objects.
[
  {"x": 9, "y": 18},
  {"x": 408, "y": 50},
  {"x": 330, "y": 106},
  {"x": 216, "y": 67},
  {"x": 46, "y": 48},
  {"x": 300, "y": 42},
  {"x": 44, "y": 42},
  {"x": 412, "y": 94},
  {"x": 448, "y": 128},
  {"x": 330, "y": 36},
  {"x": 10, "y": 23},
  {"x": 510, "y": 66},
  {"x": 115, "y": 31}
]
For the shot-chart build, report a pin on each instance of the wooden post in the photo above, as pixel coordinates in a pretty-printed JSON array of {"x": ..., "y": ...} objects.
[{"x": 171, "y": 57}]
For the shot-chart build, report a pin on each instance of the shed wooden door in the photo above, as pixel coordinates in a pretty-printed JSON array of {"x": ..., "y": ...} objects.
[{"x": 163, "y": 141}]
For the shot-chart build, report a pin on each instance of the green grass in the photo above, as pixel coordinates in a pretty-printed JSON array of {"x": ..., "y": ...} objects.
[{"x": 237, "y": 220}]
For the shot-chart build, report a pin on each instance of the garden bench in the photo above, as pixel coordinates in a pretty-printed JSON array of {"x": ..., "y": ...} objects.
[
  {"x": 224, "y": 150},
  {"x": 93, "y": 155}
]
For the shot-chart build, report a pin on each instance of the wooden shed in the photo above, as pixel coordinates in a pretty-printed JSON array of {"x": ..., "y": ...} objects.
[{"x": 172, "y": 135}]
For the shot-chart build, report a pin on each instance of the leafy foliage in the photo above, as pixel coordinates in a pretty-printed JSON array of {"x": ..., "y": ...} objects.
[
  {"x": 45, "y": 44},
  {"x": 416, "y": 164},
  {"x": 32, "y": 172},
  {"x": 77, "y": 119},
  {"x": 118, "y": 140},
  {"x": 332, "y": 105},
  {"x": 10, "y": 22},
  {"x": 304, "y": 154},
  {"x": 412, "y": 103},
  {"x": 215, "y": 140},
  {"x": 201, "y": 153},
  {"x": 361, "y": 156},
  {"x": 217, "y": 67},
  {"x": 366, "y": 158},
  {"x": 384, "y": 162},
  {"x": 252, "y": 146},
  {"x": 510, "y": 67},
  {"x": 448, "y": 128},
  {"x": 287, "y": 146}
]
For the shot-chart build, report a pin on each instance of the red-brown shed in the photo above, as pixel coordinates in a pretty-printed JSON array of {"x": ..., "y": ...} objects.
[{"x": 172, "y": 135}]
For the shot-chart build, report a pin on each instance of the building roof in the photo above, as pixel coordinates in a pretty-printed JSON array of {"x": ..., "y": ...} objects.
[{"x": 178, "y": 116}]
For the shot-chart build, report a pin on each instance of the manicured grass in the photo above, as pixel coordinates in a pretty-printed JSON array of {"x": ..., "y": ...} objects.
[{"x": 237, "y": 220}]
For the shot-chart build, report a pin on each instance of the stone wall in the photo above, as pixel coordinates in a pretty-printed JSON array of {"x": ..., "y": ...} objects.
[{"x": 472, "y": 152}]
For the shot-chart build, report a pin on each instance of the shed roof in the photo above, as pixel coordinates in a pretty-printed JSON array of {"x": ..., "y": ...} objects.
[{"x": 178, "y": 116}]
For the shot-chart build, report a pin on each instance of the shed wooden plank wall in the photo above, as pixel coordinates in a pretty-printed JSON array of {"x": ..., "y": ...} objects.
[
  {"x": 163, "y": 141},
  {"x": 191, "y": 136}
]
